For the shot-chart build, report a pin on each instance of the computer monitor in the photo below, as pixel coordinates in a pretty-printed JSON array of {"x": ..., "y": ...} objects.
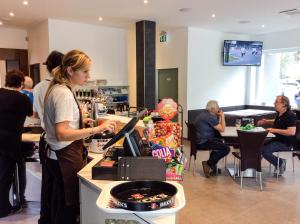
[{"x": 133, "y": 145}]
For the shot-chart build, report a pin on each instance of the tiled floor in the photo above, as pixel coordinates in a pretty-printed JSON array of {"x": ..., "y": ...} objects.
[{"x": 220, "y": 199}]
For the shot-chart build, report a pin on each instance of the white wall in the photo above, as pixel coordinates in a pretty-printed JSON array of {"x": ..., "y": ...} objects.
[
  {"x": 2, "y": 72},
  {"x": 38, "y": 46},
  {"x": 207, "y": 78},
  {"x": 280, "y": 40},
  {"x": 132, "y": 65},
  {"x": 173, "y": 54},
  {"x": 106, "y": 46},
  {"x": 10, "y": 38},
  {"x": 13, "y": 38}
]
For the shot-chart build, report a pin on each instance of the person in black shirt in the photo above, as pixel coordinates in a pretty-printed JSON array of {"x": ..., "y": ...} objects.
[
  {"x": 15, "y": 106},
  {"x": 284, "y": 129}
]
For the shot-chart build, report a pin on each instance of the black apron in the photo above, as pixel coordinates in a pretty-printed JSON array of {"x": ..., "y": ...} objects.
[{"x": 71, "y": 160}]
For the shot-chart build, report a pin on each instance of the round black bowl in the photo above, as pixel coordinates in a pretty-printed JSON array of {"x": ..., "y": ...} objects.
[{"x": 143, "y": 195}]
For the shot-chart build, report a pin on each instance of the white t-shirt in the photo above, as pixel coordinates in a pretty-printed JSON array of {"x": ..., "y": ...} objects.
[
  {"x": 39, "y": 93},
  {"x": 60, "y": 106}
]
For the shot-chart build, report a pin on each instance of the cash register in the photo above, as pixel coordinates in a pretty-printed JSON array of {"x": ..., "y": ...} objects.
[{"x": 134, "y": 153}]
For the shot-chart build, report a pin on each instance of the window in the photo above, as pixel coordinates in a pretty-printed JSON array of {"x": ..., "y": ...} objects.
[{"x": 279, "y": 74}]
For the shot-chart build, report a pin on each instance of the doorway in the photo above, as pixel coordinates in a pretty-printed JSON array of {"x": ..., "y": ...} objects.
[
  {"x": 35, "y": 73},
  {"x": 167, "y": 84}
]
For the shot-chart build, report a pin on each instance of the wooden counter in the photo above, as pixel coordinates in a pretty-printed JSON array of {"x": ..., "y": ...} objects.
[{"x": 29, "y": 137}]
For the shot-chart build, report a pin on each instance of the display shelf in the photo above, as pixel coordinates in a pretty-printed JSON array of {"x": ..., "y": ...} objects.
[
  {"x": 119, "y": 94},
  {"x": 119, "y": 102}
]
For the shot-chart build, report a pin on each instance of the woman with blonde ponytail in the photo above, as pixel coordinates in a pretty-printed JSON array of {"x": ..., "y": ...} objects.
[{"x": 63, "y": 127}]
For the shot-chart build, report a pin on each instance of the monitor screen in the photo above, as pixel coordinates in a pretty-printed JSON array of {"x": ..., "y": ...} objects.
[
  {"x": 127, "y": 129},
  {"x": 238, "y": 53}
]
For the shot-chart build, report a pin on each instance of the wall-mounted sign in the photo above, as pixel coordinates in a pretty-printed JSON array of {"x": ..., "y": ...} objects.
[{"x": 163, "y": 36}]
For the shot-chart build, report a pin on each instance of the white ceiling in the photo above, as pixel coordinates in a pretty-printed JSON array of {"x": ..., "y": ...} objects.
[{"x": 122, "y": 13}]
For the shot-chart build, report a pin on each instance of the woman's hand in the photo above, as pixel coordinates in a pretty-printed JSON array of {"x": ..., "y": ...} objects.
[
  {"x": 89, "y": 121},
  {"x": 108, "y": 125}
]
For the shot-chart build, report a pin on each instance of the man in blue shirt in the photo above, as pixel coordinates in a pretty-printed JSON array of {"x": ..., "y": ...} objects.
[
  {"x": 27, "y": 90},
  {"x": 208, "y": 123}
]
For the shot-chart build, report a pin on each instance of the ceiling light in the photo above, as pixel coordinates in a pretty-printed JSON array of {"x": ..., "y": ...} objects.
[
  {"x": 184, "y": 10},
  {"x": 11, "y": 14},
  {"x": 244, "y": 21},
  {"x": 1, "y": 23},
  {"x": 213, "y": 15},
  {"x": 25, "y": 2},
  {"x": 100, "y": 18},
  {"x": 145, "y": 1},
  {"x": 262, "y": 26}
]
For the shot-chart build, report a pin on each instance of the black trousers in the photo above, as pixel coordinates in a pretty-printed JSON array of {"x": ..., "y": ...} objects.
[
  {"x": 219, "y": 150},
  {"x": 7, "y": 168},
  {"x": 22, "y": 180},
  {"x": 59, "y": 212},
  {"x": 46, "y": 191}
]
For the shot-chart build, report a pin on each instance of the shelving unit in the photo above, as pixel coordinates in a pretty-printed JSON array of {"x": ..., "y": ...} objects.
[{"x": 118, "y": 94}]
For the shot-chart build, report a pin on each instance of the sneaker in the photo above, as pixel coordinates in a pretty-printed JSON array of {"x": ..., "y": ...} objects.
[
  {"x": 282, "y": 168},
  {"x": 214, "y": 171},
  {"x": 206, "y": 168}
]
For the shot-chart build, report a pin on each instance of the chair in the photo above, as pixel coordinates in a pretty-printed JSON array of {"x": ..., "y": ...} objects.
[
  {"x": 296, "y": 147},
  {"x": 251, "y": 144},
  {"x": 193, "y": 139}
]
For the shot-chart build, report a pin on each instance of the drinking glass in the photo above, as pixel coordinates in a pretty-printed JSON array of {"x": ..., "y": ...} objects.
[
  {"x": 252, "y": 121},
  {"x": 238, "y": 123}
]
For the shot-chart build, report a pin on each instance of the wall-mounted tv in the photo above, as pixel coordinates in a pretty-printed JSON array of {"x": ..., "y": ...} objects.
[{"x": 239, "y": 52}]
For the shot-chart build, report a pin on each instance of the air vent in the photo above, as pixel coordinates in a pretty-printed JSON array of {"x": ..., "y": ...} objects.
[{"x": 290, "y": 12}]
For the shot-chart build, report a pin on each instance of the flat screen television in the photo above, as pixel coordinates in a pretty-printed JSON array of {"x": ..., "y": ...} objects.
[{"x": 240, "y": 52}]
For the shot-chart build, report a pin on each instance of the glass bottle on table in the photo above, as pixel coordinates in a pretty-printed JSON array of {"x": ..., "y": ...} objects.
[
  {"x": 252, "y": 121},
  {"x": 238, "y": 123}
]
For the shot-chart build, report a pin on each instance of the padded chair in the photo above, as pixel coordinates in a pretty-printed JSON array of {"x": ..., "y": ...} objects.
[
  {"x": 251, "y": 144},
  {"x": 295, "y": 148},
  {"x": 193, "y": 141}
]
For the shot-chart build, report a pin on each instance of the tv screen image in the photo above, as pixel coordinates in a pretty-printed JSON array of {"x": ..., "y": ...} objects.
[{"x": 237, "y": 52}]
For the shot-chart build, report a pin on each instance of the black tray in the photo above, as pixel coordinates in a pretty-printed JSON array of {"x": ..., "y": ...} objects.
[{"x": 143, "y": 195}]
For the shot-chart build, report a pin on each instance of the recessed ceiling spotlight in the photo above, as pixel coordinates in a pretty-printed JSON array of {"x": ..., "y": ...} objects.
[
  {"x": 1, "y": 23},
  {"x": 184, "y": 9},
  {"x": 244, "y": 21},
  {"x": 213, "y": 15},
  {"x": 100, "y": 18},
  {"x": 145, "y": 1},
  {"x": 263, "y": 26},
  {"x": 11, "y": 14},
  {"x": 25, "y": 2}
]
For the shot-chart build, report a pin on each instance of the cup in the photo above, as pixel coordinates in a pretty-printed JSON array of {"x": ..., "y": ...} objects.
[
  {"x": 238, "y": 123},
  {"x": 251, "y": 121},
  {"x": 100, "y": 108}
]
